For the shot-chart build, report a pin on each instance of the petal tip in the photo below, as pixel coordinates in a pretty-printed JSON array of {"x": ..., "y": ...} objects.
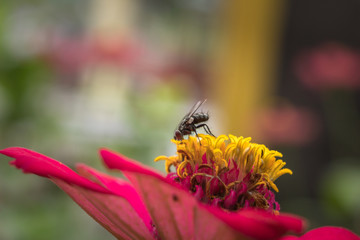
[
  {"x": 105, "y": 153},
  {"x": 103, "y": 150},
  {"x": 10, "y": 151}
]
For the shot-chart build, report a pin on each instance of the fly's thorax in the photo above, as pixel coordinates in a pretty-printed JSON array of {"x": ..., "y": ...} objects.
[{"x": 189, "y": 120}]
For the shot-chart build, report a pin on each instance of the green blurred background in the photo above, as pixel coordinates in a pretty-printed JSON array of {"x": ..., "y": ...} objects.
[{"x": 79, "y": 75}]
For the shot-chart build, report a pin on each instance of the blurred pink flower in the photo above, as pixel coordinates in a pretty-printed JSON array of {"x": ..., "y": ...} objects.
[
  {"x": 72, "y": 55},
  {"x": 328, "y": 233},
  {"x": 151, "y": 206},
  {"x": 287, "y": 124},
  {"x": 329, "y": 66}
]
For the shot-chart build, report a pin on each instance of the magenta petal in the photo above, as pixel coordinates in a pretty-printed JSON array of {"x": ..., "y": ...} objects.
[
  {"x": 291, "y": 222},
  {"x": 289, "y": 238},
  {"x": 112, "y": 212},
  {"x": 120, "y": 188},
  {"x": 36, "y": 163},
  {"x": 171, "y": 209},
  {"x": 259, "y": 224},
  {"x": 329, "y": 233},
  {"x": 103, "y": 199},
  {"x": 120, "y": 162},
  {"x": 207, "y": 226}
]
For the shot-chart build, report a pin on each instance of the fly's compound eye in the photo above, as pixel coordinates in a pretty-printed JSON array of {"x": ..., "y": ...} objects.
[{"x": 178, "y": 135}]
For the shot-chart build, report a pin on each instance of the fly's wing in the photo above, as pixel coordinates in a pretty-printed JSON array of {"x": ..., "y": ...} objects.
[
  {"x": 192, "y": 111},
  {"x": 195, "y": 108}
]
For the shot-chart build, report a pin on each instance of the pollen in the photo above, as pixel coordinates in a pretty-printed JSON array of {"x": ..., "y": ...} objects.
[{"x": 227, "y": 171}]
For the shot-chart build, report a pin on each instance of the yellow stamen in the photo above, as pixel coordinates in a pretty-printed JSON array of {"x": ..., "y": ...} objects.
[
  {"x": 169, "y": 161},
  {"x": 221, "y": 153}
]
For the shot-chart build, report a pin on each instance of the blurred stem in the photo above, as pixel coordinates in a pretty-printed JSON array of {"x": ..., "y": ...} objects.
[{"x": 246, "y": 60}]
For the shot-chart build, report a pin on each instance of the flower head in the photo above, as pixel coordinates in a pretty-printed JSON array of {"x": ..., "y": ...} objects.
[{"x": 228, "y": 171}]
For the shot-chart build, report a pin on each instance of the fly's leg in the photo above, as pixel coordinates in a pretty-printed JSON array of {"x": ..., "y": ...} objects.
[
  {"x": 206, "y": 128},
  {"x": 193, "y": 126}
]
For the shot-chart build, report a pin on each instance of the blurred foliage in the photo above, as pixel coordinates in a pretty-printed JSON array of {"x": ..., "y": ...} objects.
[{"x": 340, "y": 194}]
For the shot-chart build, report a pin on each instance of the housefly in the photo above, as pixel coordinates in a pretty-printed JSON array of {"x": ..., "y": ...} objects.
[{"x": 192, "y": 121}]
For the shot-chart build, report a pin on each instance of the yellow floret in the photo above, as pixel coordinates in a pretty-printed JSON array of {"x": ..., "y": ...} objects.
[{"x": 222, "y": 151}]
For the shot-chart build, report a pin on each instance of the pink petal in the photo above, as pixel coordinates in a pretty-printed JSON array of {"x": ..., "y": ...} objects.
[
  {"x": 173, "y": 209},
  {"x": 328, "y": 233},
  {"x": 260, "y": 224},
  {"x": 209, "y": 227},
  {"x": 170, "y": 208},
  {"x": 36, "y": 163},
  {"x": 106, "y": 200},
  {"x": 289, "y": 238},
  {"x": 112, "y": 212},
  {"x": 120, "y": 188},
  {"x": 118, "y": 161}
]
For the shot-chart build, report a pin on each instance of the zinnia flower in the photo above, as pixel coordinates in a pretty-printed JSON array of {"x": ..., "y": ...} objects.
[
  {"x": 222, "y": 189},
  {"x": 286, "y": 124}
]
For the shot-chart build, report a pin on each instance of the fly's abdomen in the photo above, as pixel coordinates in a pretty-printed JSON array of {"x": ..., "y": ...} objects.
[{"x": 200, "y": 117}]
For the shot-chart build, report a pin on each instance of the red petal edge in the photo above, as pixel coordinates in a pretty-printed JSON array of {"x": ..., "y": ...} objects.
[
  {"x": 260, "y": 224},
  {"x": 32, "y": 162},
  {"x": 328, "y": 233},
  {"x": 114, "y": 160}
]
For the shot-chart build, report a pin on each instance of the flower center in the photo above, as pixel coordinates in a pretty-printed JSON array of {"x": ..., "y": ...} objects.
[{"x": 228, "y": 171}]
